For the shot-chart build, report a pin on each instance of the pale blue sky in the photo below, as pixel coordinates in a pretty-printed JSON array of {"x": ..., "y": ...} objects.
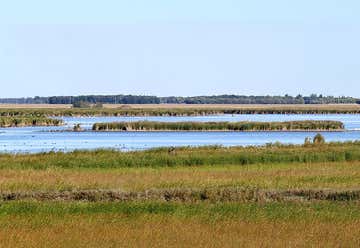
[{"x": 179, "y": 47}]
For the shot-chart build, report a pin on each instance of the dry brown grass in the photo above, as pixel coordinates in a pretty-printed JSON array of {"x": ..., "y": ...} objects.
[
  {"x": 116, "y": 231},
  {"x": 334, "y": 175}
]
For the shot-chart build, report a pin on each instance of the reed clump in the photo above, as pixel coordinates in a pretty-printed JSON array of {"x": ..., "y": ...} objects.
[
  {"x": 77, "y": 128},
  {"x": 220, "y": 126}
]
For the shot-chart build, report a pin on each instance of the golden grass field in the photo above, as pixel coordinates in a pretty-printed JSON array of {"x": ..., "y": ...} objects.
[
  {"x": 329, "y": 175},
  {"x": 158, "y": 231}
]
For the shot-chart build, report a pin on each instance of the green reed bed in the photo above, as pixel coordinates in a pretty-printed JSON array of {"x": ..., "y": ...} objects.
[
  {"x": 220, "y": 126},
  {"x": 28, "y": 121},
  {"x": 186, "y": 156},
  {"x": 183, "y": 111}
]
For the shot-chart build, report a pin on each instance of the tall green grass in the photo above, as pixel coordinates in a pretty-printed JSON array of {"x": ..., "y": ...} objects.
[
  {"x": 220, "y": 126},
  {"x": 187, "y": 156}
]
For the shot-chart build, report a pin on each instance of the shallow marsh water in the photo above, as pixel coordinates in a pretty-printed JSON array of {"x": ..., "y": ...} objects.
[{"x": 44, "y": 139}]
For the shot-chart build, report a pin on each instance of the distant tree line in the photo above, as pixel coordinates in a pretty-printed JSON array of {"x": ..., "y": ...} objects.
[
  {"x": 236, "y": 99},
  {"x": 219, "y": 99}
]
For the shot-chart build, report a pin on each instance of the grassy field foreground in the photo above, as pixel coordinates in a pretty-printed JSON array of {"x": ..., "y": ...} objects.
[
  {"x": 275, "y": 195},
  {"x": 57, "y": 224},
  {"x": 276, "y": 176}
]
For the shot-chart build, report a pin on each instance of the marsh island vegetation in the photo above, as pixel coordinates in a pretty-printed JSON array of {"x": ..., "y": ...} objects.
[{"x": 220, "y": 126}]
